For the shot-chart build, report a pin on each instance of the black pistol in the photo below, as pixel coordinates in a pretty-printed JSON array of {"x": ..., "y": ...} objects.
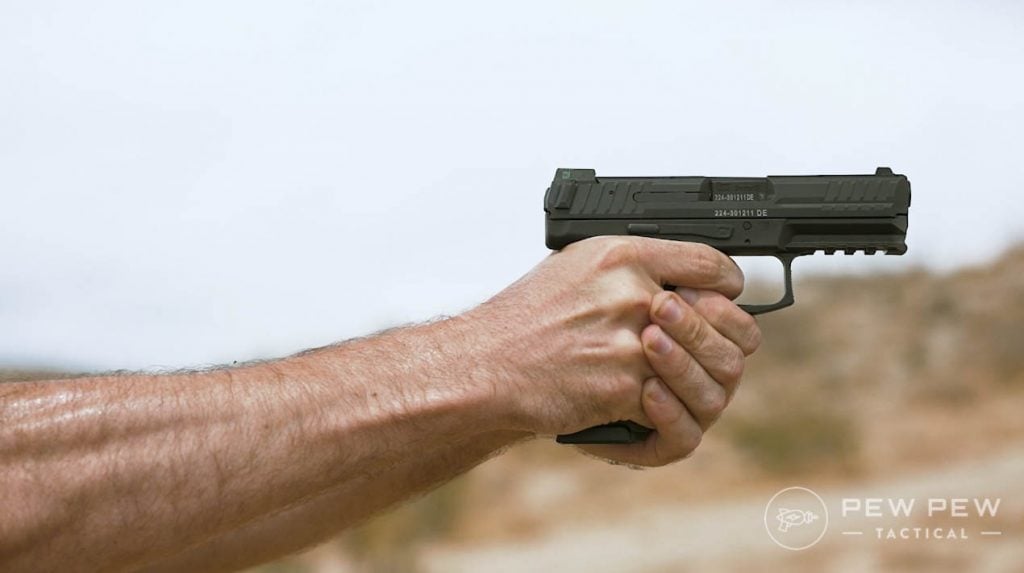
[{"x": 783, "y": 216}]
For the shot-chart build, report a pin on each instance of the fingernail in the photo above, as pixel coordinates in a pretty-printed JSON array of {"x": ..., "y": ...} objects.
[
  {"x": 669, "y": 311},
  {"x": 687, "y": 294},
  {"x": 660, "y": 343},
  {"x": 656, "y": 391}
]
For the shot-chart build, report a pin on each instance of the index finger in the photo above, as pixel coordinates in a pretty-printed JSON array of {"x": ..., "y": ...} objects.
[{"x": 694, "y": 265}]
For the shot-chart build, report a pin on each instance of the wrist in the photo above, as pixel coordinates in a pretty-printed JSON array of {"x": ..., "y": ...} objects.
[
  {"x": 437, "y": 379},
  {"x": 477, "y": 361}
]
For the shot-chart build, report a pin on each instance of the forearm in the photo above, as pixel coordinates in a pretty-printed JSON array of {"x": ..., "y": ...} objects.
[
  {"x": 180, "y": 459},
  {"x": 318, "y": 518},
  {"x": 194, "y": 470}
]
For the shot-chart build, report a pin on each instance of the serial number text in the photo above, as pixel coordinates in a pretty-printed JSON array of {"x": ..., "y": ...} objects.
[
  {"x": 735, "y": 197},
  {"x": 741, "y": 212}
]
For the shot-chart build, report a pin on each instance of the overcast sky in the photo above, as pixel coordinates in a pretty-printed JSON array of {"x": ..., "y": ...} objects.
[{"x": 190, "y": 183}]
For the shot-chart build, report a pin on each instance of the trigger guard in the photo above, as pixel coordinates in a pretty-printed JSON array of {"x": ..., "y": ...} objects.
[{"x": 787, "y": 298}]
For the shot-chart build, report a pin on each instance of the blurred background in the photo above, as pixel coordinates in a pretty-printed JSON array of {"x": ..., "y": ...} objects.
[{"x": 187, "y": 184}]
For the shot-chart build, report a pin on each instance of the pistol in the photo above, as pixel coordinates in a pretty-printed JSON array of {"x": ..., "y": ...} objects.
[{"x": 783, "y": 216}]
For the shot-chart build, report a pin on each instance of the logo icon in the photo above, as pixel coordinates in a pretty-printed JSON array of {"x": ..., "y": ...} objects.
[{"x": 796, "y": 518}]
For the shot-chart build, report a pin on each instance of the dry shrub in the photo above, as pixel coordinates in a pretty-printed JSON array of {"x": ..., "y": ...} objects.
[{"x": 791, "y": 438}]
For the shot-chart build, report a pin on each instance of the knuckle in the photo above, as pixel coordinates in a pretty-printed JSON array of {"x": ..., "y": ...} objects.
[
  {"x": 715, "y": 267},
  {"x": 637, "y": 302},
  {"x": 713, "y": 402},
  {"x": 615, "y": 252},
  {"x": 723, "y": 312},
  {"x": 677, "y": 366},
  {"x": 732, "y": 368},
  {"x": 693, "y": 331},
  {"x": 705, "y": 261},
  {"x": 626, "y": 347}
]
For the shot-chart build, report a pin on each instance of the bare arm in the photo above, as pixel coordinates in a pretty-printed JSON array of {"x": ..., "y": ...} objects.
[
  {"x": 320, "y": 517},
  {"x": 116, "y": 471},
  {"x": 202, "y": 468}
]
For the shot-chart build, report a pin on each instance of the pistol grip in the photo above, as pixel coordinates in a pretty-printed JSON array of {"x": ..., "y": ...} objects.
[{"x": 614, "y": 433}]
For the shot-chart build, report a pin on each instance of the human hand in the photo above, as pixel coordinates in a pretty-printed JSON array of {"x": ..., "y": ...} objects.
[
  {"x": 572, "y": 356},
  {"x": 696, "y": 343}
]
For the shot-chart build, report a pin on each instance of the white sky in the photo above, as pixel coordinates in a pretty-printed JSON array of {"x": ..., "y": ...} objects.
[{"x": 189, "y": 183}]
